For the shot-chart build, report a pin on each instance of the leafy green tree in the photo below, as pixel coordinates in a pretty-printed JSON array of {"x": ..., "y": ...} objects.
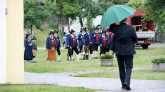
[
  {"x": 155, "y": 10},
  {"x": 35, "y": 12},
  {"x": 135, "y": 3}
]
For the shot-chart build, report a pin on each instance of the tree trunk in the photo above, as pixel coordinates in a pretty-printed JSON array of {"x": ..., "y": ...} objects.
[
  {"x": 68, "y": 24},
  {"x": 81, "y": 22}
]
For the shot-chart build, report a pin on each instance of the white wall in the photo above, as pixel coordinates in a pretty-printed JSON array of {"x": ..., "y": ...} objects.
[{"x": 3, "y": 42}]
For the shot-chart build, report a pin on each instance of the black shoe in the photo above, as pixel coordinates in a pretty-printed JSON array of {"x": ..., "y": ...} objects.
[{"x": 125, "y": 86}]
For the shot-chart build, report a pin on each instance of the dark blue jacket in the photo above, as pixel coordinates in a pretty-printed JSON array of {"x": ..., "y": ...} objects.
[
  {"x": 124, "y": 39},
  {"x": 48, "y": 43},
  {"x": 58, "y": 45},
  {"x": 70, "y": 42},
  {"x": 106, "y": 38},
  {"x": 93, "y": 34},
  {"x": 80, "y": 40},
  {"x": 28, "y": 55},
  {"x": 86, "y": 39}
]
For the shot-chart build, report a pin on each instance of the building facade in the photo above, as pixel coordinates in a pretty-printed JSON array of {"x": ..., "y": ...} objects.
[{"x": 11, "y": 42}]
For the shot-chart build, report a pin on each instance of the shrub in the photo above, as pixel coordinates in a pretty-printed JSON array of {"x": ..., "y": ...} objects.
[
  {"x": 159, "y": 60},
  {"x": 106, "y": 56}
]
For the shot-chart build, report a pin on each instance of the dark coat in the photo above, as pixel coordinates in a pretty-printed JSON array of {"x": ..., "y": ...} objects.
[
  {"x": 80, "y": 40},
  {"x": 86, "y": 39},
  {"x": 58, "y": 45},
  {"x": 70, "y": 42},
  {"x": 124, "y": 39},
  {"x": 93, "y": 34},
  {"x": 101, "y": 40},
  {"x": 28, "y": 55},
  {"x": 48, "y": 43}
]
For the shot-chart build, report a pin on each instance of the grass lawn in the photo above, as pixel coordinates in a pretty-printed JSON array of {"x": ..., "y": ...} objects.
[
  {"x": 136, "y": 74},
  {"x": 142, "y": 65},
  {"x": 41, "y": 88},
  {"x": 43, "y": 65}
]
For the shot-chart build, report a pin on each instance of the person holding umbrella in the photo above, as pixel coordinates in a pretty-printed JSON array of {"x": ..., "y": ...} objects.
[
  {"x": 123, "y": 45},
  {"x": 123, "y": 40}
]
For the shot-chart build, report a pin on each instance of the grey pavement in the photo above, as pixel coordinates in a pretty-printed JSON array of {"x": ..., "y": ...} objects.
[
  {"x": 158, "y": 45},
  {"x": 100, "y": 84}
]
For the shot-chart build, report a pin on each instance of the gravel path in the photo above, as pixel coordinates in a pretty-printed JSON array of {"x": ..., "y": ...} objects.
[{"x": 103, "y": 84}]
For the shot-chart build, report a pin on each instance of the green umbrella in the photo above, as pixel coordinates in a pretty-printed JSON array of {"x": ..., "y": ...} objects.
[{"x": 115, "y": 14}]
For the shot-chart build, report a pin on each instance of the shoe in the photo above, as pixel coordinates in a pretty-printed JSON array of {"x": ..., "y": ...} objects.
[{"x": 125, "y": 86}]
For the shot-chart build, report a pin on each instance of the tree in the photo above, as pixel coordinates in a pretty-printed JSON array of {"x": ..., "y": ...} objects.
[
  {"x": 135, "y": 3},
  {"x": 155, "y": 10},
  {"x": 35, "y": 12}
]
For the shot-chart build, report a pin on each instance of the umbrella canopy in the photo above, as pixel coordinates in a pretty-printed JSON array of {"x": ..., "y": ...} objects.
[{"x": 115, "y": 14}]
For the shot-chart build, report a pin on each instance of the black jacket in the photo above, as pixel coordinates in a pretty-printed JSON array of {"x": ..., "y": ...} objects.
[{"x": 123, "y": 42}]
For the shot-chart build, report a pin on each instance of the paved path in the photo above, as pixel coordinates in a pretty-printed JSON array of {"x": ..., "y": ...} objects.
[{"x": 102, "y": 84}]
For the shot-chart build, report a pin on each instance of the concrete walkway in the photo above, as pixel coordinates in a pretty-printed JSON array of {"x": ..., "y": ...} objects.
[{"x": 100, "y": 84}]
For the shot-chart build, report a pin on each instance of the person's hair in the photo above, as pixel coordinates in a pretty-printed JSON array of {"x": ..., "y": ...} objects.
[
  {"x": 123, "y": 21},
  {"x": 27, "y": 35}
]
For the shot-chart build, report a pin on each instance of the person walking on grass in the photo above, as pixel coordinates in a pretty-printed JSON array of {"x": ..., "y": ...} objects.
[
  {"x": 57, "y": 45},
  {"x": 72, "y": 45},
  {"x": 34, "y": 49},
  {"x": 51, "y": 47},
  {"x": 122, "y": 44},
  {"x": 95, "y": 41},
  {"x": 28, "y": 55}
]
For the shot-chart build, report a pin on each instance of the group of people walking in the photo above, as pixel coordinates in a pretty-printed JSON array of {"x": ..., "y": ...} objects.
[
  {"x": 120, "y": 38},
  {"x": 85, "y": 44}
]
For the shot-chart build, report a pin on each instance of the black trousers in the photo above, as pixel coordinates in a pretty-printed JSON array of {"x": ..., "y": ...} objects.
[
  {"x": 104, "y": 49},
  {"x": 91, "y": 49},
  {"x": 70, "y": 50},
  {"x": 58, "y": 51},
  {"x": 80, "y": 48},
  {"x": 125, "y": 63},
  {"x": 95, "y": 47}
]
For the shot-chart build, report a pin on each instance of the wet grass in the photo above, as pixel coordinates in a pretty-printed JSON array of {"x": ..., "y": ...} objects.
[
  {"x": 142, "y": 60},
  {"x": 136, "y": 74},
  {"x": 41, "y": 88}
]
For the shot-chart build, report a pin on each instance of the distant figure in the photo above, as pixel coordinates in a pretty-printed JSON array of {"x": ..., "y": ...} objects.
[
  {"x": 95, "y": 41},
  {"x": 104, "y": 42},
  {"x": 34, "y": 49},
  {"x": 80, "y": 43},
  {"x": 58, "y": 45},
  {"x": 64, "y": 40},
  {"x": 28, "y": 55},
  {"x": 90, "y": 45},
  {"x": 51, "y": 47},
  {"x": 123, "y": 45},
  {"x": 72, "y": 45}
]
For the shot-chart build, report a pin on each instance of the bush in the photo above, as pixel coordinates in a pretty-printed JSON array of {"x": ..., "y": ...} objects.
[
  {"x": 106, "y": 56},
  {"x": 159, "y": 60}
]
